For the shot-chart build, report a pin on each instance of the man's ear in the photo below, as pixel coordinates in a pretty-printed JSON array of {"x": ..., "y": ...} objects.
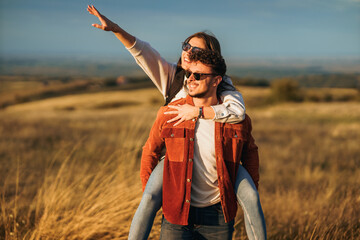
[{"x": 217, "y": 81}]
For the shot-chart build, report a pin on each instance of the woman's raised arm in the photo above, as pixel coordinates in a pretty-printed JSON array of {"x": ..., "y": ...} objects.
[{"x": 126, "y": 38}]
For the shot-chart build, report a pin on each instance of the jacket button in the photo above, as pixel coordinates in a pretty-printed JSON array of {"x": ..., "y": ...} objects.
[
  {"x": 193, "y": 119},
  {"x": 235, "y": 135},
  {"x": 172, "y": 135},
  {"x": 188, "y": 180},
  {"x": 187, "y": 201},
  {"x": 191, "y": 139},
  {"x": 190, "y": 160}
]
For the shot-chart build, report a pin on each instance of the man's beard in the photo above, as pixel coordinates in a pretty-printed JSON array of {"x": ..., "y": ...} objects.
[{"x": 198, "y": 95}]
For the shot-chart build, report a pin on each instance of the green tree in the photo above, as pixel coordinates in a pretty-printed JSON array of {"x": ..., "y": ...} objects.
[{"x": 286, "y": 89}]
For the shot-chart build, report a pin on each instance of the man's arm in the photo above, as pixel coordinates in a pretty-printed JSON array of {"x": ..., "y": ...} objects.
[
  {"x": 250, "y": 155},
  {"x": 152, "y": 149}
]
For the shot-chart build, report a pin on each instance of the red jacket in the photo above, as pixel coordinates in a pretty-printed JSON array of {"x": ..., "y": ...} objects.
[{"x": 234, "y": 145}]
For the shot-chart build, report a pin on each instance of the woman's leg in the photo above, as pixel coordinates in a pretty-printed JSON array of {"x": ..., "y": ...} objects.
[
  {"x": 150, "y": 203},
  {"x": 248, "y": 198}
]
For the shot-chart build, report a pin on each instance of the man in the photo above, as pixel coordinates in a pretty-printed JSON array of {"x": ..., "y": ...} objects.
[{"x": 201, "y": 161}]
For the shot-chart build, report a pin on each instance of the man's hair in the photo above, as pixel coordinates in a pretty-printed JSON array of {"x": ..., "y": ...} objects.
[
  {"x": 211, "y": 59},
  {"x": 217, "y": 63}
]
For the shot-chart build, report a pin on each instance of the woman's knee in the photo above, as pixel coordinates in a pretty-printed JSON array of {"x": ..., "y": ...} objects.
[
  {"x": 150, "y": 199},
  {"x": 252, "y": 195},
  {"x": 247, "y": 193}
]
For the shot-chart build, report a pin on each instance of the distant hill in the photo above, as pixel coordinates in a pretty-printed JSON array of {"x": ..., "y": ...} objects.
[
  {"x": 327, "y": 80},
  {"x": 60, "y": 67},
  {"x": 319, "y": 73}
]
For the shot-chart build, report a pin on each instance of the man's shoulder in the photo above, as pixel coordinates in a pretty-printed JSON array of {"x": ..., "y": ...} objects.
[
  {"x": 241, "y": 130},
  {"x": 247, "y": 121},
  {"x": 244, "y": 124},
  {"x": 162, "y": 109},
  {"x": 180, "y": 101},
  {"x": 164, "y": 117}
]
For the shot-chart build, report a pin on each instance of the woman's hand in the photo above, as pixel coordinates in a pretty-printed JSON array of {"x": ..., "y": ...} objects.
[
  {"x": 183, "y": 112},
  {"x": 106, "y": 24}
]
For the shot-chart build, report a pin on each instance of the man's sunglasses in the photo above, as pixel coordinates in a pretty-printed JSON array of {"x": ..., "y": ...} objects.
[
  {"x": 186, "y": 47},
  {"x": 198, "y": 76}
]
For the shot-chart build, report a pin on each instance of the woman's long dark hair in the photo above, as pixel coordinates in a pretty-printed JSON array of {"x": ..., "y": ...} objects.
[
  {"x": 210, "y": 40},
  {"x": 211, "y": 44}
]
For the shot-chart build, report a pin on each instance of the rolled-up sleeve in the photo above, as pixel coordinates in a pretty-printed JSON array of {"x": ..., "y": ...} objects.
[{"x": 232, "y": 110}]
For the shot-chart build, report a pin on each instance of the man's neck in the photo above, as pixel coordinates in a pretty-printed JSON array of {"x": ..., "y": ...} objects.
[{"x": 205, "y": 102}]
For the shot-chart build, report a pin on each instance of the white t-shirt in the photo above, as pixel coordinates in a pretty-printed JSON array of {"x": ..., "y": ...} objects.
[{"x": 204, "y": 187}]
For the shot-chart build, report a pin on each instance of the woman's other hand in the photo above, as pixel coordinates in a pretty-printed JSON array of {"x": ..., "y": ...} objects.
[{"x": 183, "y": 112}]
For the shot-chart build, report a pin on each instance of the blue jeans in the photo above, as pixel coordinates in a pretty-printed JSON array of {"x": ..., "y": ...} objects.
[
  {"x": 246, "y": 193},
  {"x": 204, "y": 223}
]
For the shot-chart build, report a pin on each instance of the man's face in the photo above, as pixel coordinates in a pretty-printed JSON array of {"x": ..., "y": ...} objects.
[{"x": 207, "y": 85}]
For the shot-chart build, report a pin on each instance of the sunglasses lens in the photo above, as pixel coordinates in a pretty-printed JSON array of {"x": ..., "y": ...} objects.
[
  {"x": 186, "y": 46},
  {"x": 197, "y": 76},
  {"x": 195, "y": 49}
]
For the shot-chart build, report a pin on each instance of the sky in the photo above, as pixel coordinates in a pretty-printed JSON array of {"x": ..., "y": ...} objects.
[{"x": 245, "y": 28}]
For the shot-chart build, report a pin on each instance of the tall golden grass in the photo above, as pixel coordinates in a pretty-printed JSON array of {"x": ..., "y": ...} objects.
[{"x": 70, "y": 169}]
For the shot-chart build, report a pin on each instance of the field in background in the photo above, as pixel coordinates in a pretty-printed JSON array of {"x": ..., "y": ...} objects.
[{"x": 70, "y": 166}]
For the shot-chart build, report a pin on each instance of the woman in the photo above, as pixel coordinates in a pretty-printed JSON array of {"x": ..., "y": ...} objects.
[{"x": 169, "y": 79}]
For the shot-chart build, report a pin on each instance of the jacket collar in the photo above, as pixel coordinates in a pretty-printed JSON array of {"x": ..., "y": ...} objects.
[{"x": 189, "y": 100}]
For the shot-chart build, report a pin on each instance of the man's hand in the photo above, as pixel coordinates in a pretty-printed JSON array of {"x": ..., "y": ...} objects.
[
  {"x": 183, "y": 112},
  {"x": 106, "y": 24}
]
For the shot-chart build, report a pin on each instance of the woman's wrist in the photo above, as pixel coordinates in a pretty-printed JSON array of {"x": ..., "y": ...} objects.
[
  {"x": 208, "y": 113},
  {"x": 201, "y": 112}
]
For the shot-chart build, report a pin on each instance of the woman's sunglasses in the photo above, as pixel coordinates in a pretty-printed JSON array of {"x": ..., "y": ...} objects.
[
  {"x": 198, "y": 76},
  {"x": 186, "y": 47}
]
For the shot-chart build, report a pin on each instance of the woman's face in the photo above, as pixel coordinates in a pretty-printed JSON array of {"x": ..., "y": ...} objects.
[{"x": 194, "y": 42}]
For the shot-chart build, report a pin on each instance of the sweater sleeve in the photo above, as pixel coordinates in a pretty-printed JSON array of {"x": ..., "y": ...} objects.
[
  {"x": 156, "y": 68},
  {"x": 152, "y": 149},
  {"x": 232, "y": 109}
]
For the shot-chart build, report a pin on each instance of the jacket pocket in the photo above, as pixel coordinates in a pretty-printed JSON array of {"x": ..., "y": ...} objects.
[
  {"x": 235, "y": 133},
  {"x": 175, "y": 143},
  {"x": 233, "y": 142}
]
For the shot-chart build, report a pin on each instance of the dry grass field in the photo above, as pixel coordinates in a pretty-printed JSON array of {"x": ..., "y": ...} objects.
[{"x": 70, "y": 166}]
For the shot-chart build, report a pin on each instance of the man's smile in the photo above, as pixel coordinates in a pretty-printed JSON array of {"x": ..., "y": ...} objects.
[{"x": 192, "y": 85}]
